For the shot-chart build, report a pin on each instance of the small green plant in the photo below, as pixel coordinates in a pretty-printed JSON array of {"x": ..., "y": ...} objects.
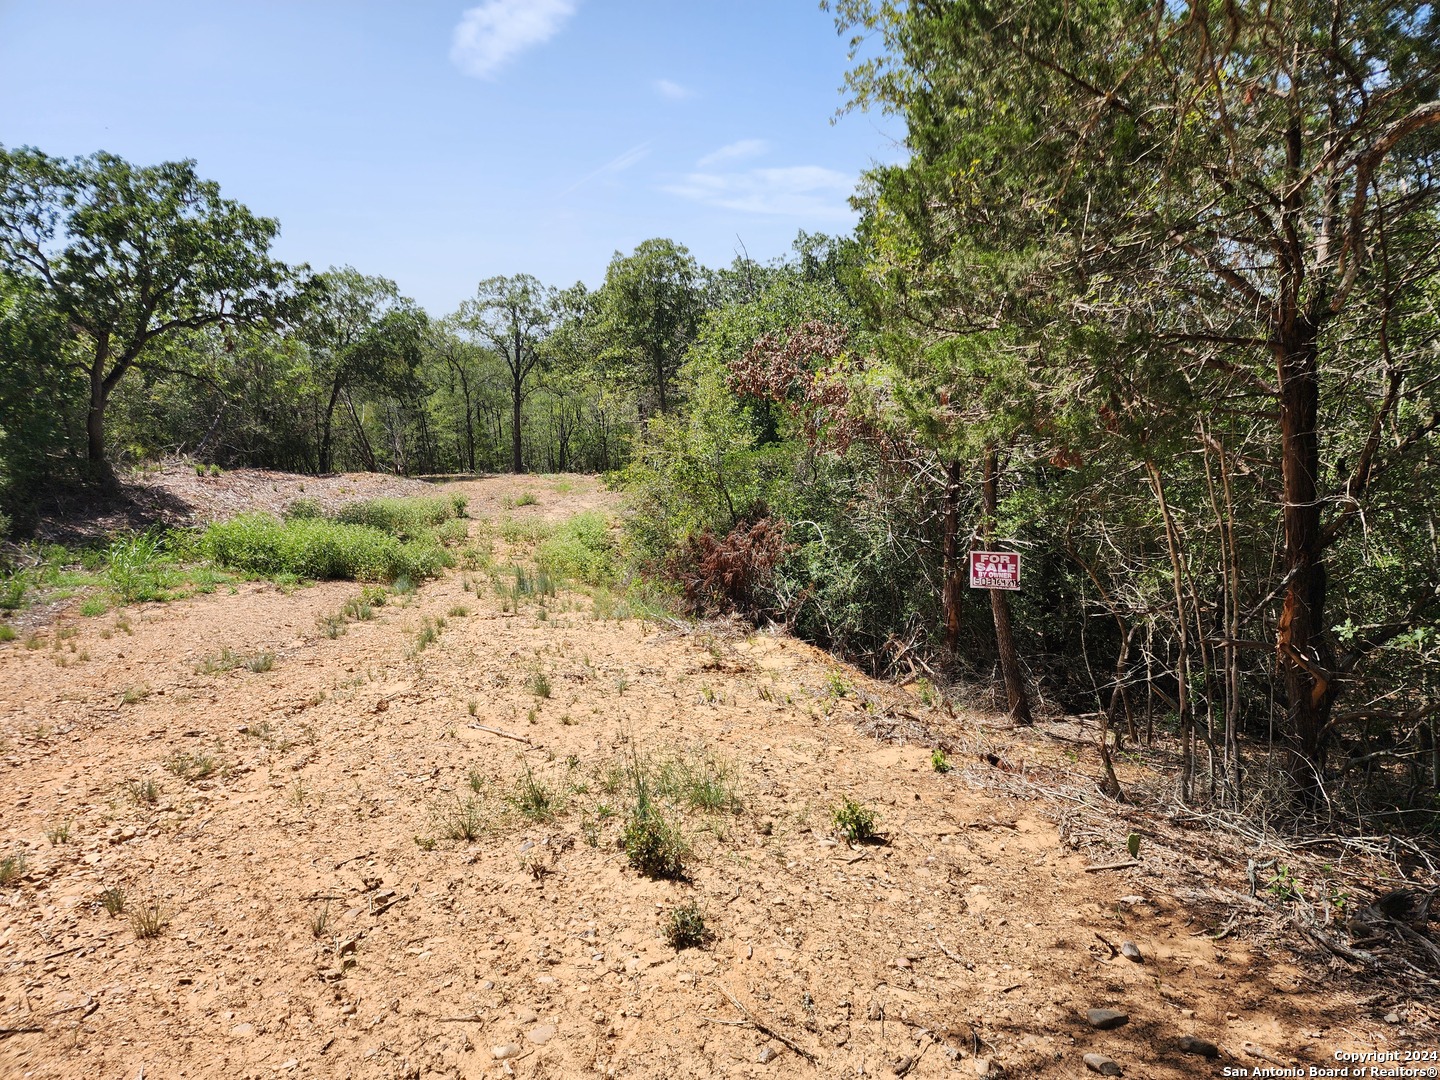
[
  {"x": 854, "y": 821},
  {"x": 1132, "y": 845},
  {"x": 940, "y": 761},
  {"x": 684, "y": 927},
  {"x": 526, "y": 498},
  {"x": 261, "y": 662},
  {"x": 838, "y": 685},
  {"x": 534, "y": 798},
  {"x": 459, "y": 611},
  {"x": 189, "y": 766},
  {"x": 320, "y": 922},
  {"x": 134, "y": 694},
  {"x": 95, "y": 605},
  {"x": 539, "y": 684},
  {"x": 142, "y": 793},
  {"x": 148, "y": 920},
  {"x": 653, "y": 845},
  {"x": 425, "y": 843},
  {"x": 59, "y": 834},
  {"x": 476, "y": 779},
  {"x": 463, "y": 819},
  {"x": 13, "y": 867},
  {"x": 925, "y": 690},
  {"x": 1283, "y": 885},
  {"x": 473, "y": 707},
  {"x": 7, "y": 632},
  {"x": 113, "y": 901}
]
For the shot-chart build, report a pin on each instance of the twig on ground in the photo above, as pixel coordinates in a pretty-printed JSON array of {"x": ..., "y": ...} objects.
[
  {"x": 502, "y": 734},
  {"x": 777, "y": 1036}
]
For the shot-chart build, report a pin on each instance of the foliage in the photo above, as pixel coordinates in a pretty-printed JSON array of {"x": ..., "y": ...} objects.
[
  {"x": 854, "y": 821},
  {"x": 319, "y": 549}
]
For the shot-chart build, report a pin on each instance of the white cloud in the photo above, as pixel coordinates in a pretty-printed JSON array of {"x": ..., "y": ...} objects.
[
  {"x": 490, "y": 34},
  {"x": 807, "y": 191},
  {"x": 614, "y": 165},
  {"x": 735, "y": 151},
  {"x": 672, "y": 90}
]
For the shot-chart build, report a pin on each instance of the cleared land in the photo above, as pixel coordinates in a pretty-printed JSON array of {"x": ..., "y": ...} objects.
[{"x": 348, "y": 877}]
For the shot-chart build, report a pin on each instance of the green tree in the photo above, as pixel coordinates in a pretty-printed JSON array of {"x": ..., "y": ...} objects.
[
  {"x": 129, "y": 255},
  {"x": 512, "y": 316},
  {"x": 648, "y": 312},
  {"x": 1215, "y": 189}
]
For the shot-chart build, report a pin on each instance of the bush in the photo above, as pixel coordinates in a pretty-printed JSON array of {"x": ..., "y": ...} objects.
[
  {"x": 685, "y": 927},
  {"x": 320, "y": 549},
  {"x": 407, "y": 519},
  {"x": 854, "y": 821},
  {"x": 580, "y": 548},
  {"x": 303, "y": 508},
  {"x": 653, "y": 845},
  {"x": 734, "y": 573}
]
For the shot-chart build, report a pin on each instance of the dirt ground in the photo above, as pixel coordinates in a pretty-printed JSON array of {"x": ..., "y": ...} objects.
[{"x": 319, "y": 922}]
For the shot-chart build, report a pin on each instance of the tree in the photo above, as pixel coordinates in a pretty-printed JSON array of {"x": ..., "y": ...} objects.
[
  {"x": 130, "y": 255},
  {"x": 512, "y": 316},
  {"x": 1218, "y": 189},
  {"x": 649, "y": 310}
]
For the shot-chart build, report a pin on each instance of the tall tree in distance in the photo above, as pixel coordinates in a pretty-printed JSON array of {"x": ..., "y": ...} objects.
[
  {"x": 649, "y": 310},
  {"x": 512, "y": 316},
  {"x": 130, "y": 255}
]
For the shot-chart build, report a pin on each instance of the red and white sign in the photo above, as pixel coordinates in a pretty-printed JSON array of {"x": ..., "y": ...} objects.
[{"x": 994, "y": 570}]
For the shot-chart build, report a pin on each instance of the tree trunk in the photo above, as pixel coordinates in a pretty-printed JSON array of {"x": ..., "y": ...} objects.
[
  {"x": 1301, "y": 652},
  {"x": 1015, "y": 694},
  {"x": 951, "y": 586},
  {"x": 516, "y": 465}
]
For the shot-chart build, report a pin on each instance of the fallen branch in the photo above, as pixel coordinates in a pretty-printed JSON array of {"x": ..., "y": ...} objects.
[
  {"x": 502, "y": 734},
  {"x": 777, "y": 1036},
  {"x": 1112, "y": 866}
]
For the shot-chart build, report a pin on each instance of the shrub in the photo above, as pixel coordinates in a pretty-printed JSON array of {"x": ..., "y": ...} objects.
[
  {"x": 653, "y": 845},
  {"x": 580, "y": 548},
  {"x": 733, "y": 573},
  {"x": 406, "y": 519},
  {"x": 854, "y": 821},
  {"x": 685, "y": 927},
  {"x": 320, "y": 549},
  {"x": 303, "y": 509}
]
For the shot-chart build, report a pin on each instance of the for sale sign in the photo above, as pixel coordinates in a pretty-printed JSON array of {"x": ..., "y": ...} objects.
[{"x": 994, "y": 569}]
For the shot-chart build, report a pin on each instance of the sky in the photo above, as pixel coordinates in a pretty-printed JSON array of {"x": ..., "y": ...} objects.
[{"x": 439, "y": 143}]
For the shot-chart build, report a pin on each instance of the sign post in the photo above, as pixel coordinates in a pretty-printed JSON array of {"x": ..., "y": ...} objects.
[{"x": 994, "y": 569}]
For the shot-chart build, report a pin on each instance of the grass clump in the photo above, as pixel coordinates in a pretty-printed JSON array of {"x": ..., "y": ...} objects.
[
  {"x": 113, "y": 900},
  {"x": 533, "y": 798},
  {"x": 854, "y": 821},
  {"x": 13, "y": 867},
  {"x": 59, "y": 834},
  {"x": 652, "y": 842},
  {"x": 189, "y": 766},
  {"x": 580, "y": 549},
  {"x": 261, "y": 662},
  {"x": 405, "y": 519},
  {"x": 699, "y": 781},
  {"x": 539, "y": 684},
  {"x": 7, "y": 632},
  {"x": 320, "y": 549},
  {"x": 148, "y": 920},
  {"x": 142, "y": 793},
  {"x": 463, "y": 819},
  {"x": 684, "y": 927}
]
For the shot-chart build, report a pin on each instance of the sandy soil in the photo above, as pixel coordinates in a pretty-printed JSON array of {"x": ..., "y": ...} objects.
[{"x": 319, "y": 923}]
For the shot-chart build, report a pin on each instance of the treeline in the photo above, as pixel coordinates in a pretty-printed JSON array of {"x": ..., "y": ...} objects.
[{"x": 143, "y": 314}]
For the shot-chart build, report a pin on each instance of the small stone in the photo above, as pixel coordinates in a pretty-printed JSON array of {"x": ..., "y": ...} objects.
[
  {"x": 876, "y": 1011},
  {"x": 526, "y": 1016},
  {"x": 486, "y": 984},
  {"x": 541, "y": 1034},
  {"x": 289, "y": 1063},
  {"x": 902, "y": 962},
  {"x": 243, "y": 1031},
  {"x": 767, "y": 1054},
  {"x": 1101, "y": 1064},
  {"x": 988, "y": 1067},
  {"x": 1392, "y": 1018},
  {"x": 505, "y": 1051},
  {"x": 1201, "y": 1047},
  {"x": 1131, "y": 952},
  {"x": 1106, "y": 1019}
]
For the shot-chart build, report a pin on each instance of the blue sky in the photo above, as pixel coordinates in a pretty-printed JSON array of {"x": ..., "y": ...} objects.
[{"x": 438, "y": 143}]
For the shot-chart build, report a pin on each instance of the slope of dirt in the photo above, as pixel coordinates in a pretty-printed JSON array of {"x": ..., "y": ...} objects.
[{"x": 319, "y": 922}]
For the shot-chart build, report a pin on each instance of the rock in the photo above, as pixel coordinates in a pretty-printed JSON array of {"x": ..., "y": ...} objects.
[
  {"x": 1201, "y": 1047},
  {"x": 243, "y": 1031},
  {"x": 988, "y": 1067},
  {"x": 526, "y": 1016},
  {"x": 541, "y": 1034},
  {"x": 1101, "y": 1064},
  {"x": 505, "y": 1051},
  {"x": 487, "y": 985},
  {"x": 901, "y": 1066},
  {"x": 1106, "y": 1019},
  {"x": 876, "y": 1011},
  {"x": 1131, "y": 952},
  {"x": 1392, "y": 1018},
  {"x": 289, "y": 1063},
  {"x": 902, "y": 962},
  {"x": 767, "y": 1054}
]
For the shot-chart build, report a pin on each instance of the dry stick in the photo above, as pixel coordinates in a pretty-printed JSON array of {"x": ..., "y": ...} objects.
[
  {"x": 792, "y": 1044},
  {"x": 958, "y": 959},
  {"x": 5, "y": 1033},
  {"x": 1113, "y": 866},
  {"x": 502, "y": 734}
]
